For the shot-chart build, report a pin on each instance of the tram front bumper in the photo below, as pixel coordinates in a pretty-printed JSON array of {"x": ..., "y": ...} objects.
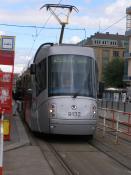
[{"x": 72, "y": 127}]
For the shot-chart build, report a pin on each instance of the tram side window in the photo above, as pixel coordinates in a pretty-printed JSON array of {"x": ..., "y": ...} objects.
[{"x": 41, "y": 76}]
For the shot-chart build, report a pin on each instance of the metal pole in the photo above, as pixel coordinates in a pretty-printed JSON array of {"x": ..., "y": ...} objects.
[
  {"x": 117, "y": 128},
  {"x": 129, "y": 116},
  {"x": 62, "y": 33},
  {"x": 104, "y": 123},
  {"x": 1, "y": 143},
  {"x": 124, "y": 106}
]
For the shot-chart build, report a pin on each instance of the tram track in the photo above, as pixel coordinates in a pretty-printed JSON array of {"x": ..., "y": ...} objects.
[
  {"x": 63, "y": 163},
  {"x": 107, "y": 151},
  {"x": 37, "y": 139},
  {"x": 118, "y": 151},
  {"x": 53, "y": 154}
]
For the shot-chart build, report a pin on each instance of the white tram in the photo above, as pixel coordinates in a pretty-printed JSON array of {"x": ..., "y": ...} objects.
[{"x": 61, "y": 95}]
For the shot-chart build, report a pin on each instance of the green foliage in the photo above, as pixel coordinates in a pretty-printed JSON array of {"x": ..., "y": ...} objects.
[{"x": 113, "y": 73}]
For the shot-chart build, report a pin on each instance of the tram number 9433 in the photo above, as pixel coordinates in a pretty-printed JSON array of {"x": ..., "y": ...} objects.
[{"x": 74, "y": 114}]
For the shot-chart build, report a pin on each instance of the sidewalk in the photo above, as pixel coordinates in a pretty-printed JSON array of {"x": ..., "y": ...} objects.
[
  {"x": 20, "y": 157},
  {"x": 18, "y": 135}
]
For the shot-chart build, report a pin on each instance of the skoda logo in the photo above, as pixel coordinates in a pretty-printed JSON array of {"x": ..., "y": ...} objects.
[{"x": 74, "y": 107}]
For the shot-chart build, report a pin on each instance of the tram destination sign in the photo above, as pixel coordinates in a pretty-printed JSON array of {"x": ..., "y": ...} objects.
[{"x": 78, "y": 60}]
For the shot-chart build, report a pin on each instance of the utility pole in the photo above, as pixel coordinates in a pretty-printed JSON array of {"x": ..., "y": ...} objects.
[{"x": 69, "y": 9}]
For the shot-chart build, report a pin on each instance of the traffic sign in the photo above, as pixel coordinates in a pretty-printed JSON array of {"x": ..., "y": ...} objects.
[{"x": 7, "y": 43}]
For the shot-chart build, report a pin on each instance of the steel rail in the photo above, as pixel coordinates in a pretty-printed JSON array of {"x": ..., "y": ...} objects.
[
  {"x": 57, "y": 156},
  {"x": 99, "y": 148}
]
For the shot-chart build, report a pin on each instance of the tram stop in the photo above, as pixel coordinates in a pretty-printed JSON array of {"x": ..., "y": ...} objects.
[{"x": 7, "y": 45}]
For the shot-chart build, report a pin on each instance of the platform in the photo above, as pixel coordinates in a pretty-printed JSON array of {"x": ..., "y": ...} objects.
[
  {"x": 23, "y": 158},
  {"x": 18, "y": 136},
  {"x": 20, "y": 157}
]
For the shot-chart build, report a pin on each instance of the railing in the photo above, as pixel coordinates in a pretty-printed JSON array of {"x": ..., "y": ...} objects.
[
  {"x": 117, "y": 121},
  {"x": 1, "y": 143},
  {"x": 110, "y": 104}
]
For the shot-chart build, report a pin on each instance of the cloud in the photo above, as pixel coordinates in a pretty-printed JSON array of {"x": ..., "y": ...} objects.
[
  {"x": 26, "y": 16},
  {"x": 14, "y": 1},
  {"x": 21, "y": 60},
  {"x": 18, "y": 68},
  {"x": 104, "y": 16},
  {"x": 88, "y": 1},
  {"x": 2, "y": 33},
  {"x": 75, "y": 39},
  {"x": 21, "y": 57},
  {"x": 90, "y": 22},
  {"x": 100, "y": 16},
  {"x": 90, "y": 19},
  {"x": 117, "y": 8}
]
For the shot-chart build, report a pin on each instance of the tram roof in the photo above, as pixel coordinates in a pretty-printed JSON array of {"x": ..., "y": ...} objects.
[{"x": 64, "y": 49}]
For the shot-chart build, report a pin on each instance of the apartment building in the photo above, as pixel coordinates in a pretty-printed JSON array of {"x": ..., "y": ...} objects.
[
  {"x": 107, "y": 47},
  {"x": 127, "y": 73}
]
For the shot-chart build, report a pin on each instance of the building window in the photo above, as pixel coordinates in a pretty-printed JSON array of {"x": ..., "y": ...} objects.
[
  {"x": 104, "y": 42},
  {"x": 115, "y": 53},
  {"x": 113, "y": 42},
  {"x": 97, "y": 42}
]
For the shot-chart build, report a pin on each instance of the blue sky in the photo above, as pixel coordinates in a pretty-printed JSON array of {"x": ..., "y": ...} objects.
[{"x": 93, "y": 16}]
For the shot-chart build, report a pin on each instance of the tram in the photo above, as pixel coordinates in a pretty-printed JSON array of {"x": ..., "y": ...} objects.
[{"x": 60, "y": 90}]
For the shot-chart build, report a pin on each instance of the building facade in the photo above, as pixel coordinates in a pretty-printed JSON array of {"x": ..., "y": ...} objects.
[
  {"x": 127, "y": 73},
  {"x": 107, "y": 47}
]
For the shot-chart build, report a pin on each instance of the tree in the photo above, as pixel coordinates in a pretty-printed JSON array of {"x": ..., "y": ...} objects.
[{"x": 113, "y": 73}]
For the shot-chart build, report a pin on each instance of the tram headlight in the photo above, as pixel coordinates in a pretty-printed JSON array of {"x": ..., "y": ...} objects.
[
  {"x": 94, "y": 109},
  {"x": 52, "y": 110}
]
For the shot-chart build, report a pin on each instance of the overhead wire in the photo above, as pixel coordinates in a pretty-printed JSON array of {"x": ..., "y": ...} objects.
[
  {"x": 41, "y": 27},
  {"x": 114, "y": 23},
  {"x": 38, "y": 33},
  {"x": 44, "y": 27}
]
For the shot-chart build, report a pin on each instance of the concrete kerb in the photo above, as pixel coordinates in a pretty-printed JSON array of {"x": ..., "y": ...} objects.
[{"x": 23, "y": 137}]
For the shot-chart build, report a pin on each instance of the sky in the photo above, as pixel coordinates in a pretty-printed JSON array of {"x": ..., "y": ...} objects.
[{"x": 24, "y": 19}]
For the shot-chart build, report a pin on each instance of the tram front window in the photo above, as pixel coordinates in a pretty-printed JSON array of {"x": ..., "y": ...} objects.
[{"x": 71, "y": 74}]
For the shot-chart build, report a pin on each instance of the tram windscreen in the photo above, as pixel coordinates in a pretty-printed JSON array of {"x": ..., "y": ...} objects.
[{"x": 71, "y": 75}]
